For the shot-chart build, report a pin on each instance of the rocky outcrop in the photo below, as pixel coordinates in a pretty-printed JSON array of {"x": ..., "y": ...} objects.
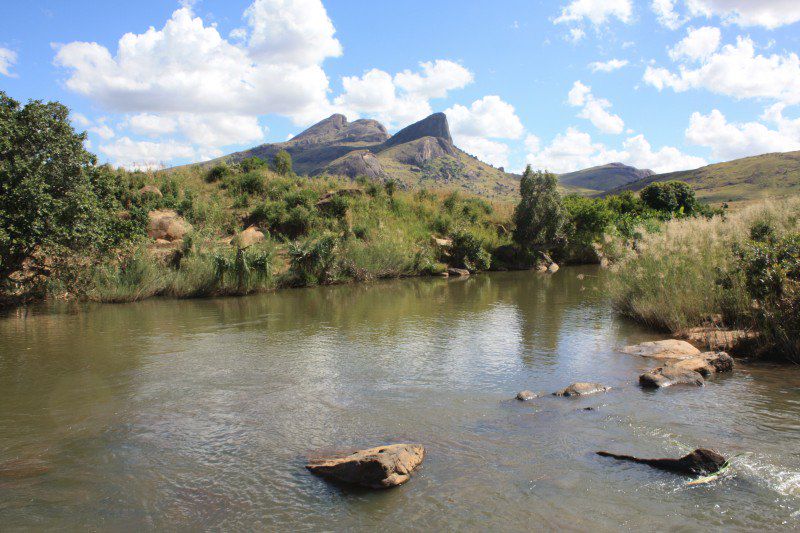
[
  {"x": 433, "y": 126},
  {"x": 249, "y": 237},
  {"x": 166, "y": 224},
  {"x": 700, "y": 462},
  {"x": 669, "y": 376},
  {"x": 377, "y": 468},
  {"x": 355, "y": 164},
  {"x": 336, "y": 129},
  {"x": 458, "y": 272},
  {"x": 421, "y": 151},
  {"x": 688, "y": 371},
  {"x": 526, "y": 395},
  {"x": 666, "y": 349},
  {"x": 582, "y": 389}
]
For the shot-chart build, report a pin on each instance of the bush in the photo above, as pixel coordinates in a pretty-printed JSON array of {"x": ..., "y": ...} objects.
[
  {"x": 671, "y": 197},
  {"x": 314, "y": 261},
  {"x": 250, "y": 183},
  {"x": 282, "y": 163},
  {"x": 217, "y": 173},
  {"x": 468, "y": 251},
  {"x": 252, "y": 163},
  {"x": 539, "y": 216}
]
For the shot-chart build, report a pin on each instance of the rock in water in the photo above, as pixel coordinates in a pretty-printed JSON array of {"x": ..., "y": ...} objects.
[
  {"x": 668, "y": 376},
  {"x": 458, "y": 272},
  {"x": 581, "y": 389},
  {"x": 382, "y": 467},
  {"x": 526, "y": 395},
  {"x": 699, "y": 462},
  {"x": 667, "y": 349}
]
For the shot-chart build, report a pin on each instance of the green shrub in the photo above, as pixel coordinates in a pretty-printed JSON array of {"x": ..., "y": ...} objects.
[
  {"x": 539, "y": 216},
  {"x": 314, "y": 261},
  {"x": 468, "y": 251},
  {"x": 252, "y": 163},
  {"x": 249, "y": 183},
  {"x": 217, "y": 173},
  {"x": 671, "y": 197},
  {"x": 282, "y": 163}
]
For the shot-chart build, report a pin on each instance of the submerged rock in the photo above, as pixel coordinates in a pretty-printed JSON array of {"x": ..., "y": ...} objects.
[
  {"x": 668, "y": 376},
  {"x": 699, "y": 462},
  {"x": 666, "y": 349},
  {"x": 526, "y": 395},
  {"x": 582, "y": 389},
  {"x": 381, "y": 467}
]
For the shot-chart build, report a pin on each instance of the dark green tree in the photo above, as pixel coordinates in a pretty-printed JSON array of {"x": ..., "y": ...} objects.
[
  {"x": 670, "y": 197},
  {"x": 539, "y": 216},
  {"x": 51, "y": 192},
  {"x": 282, "y": 163}
]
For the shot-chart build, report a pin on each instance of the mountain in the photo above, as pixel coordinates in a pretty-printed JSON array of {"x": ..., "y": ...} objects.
[
  {"x": 422, "y": 154},
  {"x": 750, "y": 178},
  {"x": 603, "y": 178}
]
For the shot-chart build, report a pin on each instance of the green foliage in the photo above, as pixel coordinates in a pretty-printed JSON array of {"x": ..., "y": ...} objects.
[
  {"x": 314, "y": 261},
  {"x": 539, "y": 216},
  {"x": 249, "y": 183},
  {"x": 671, "y": 197},
  {"x": 217, "y": 173},
  {"x": 51, "y": 192},
  {"x": 468, "y": 251},
  {"x": 587, "y": 219},
  {"x": 244, "y": 269},
  {"x": 252, "y": 163},
  {"x": 390, "y": 186},
  {"x": 282, "y": 163}
]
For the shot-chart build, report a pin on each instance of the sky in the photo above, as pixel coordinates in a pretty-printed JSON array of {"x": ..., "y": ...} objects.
[{"x": 558, "y": 84}]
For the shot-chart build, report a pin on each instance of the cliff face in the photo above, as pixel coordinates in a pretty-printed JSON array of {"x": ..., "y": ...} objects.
[{"x": 433, "y": 126}]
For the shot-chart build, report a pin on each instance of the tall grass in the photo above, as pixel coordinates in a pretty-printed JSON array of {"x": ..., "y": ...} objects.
[{"x": 684, "y": 274}]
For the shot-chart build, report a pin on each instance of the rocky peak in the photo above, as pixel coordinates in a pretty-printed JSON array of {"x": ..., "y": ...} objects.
[
  {"x": 433, "y": 126},
  {"x": 336, "y": 129}
]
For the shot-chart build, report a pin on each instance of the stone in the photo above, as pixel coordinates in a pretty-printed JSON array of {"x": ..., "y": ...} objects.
[
  {"x": 719, "y": 339},
  {"x": 553, "y": 268},
  {"x": 458, "y": 272},
  {"x": 668, "y": 376},
  {"x": 582, "y": 389},
  {"x": 381, "y": 467},
  {"x": 250, "y": 236},
  {"x": 167, "y": 224},
  {"x": 526, "y": 395},
  {"x": 441, "y": 243},
  {"x": 151, "y": 190},
  {"x": 706, "y": 364},
  {"x": 666, "y": 349},
  {"x": 700, "y": 462}
]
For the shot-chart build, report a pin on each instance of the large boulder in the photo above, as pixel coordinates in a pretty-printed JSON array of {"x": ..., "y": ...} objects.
[
  {"x": 166, "y": 224},
  {"x": 249, "y": 237},
  {"x": 526, "y": 395},
  {"x": 151, "y": 190},
  {"x": 700, "y": 462},
  {"x": 381, "y": 467},
  {"x": 706, "y": 364},
  {"x": 668, "y": 376},
  {"x": 582, "y": 389},
  {"x": 666, "y": 349},
  {"x": 457, "y": 272},
  {"x": 689, "y": 371}
]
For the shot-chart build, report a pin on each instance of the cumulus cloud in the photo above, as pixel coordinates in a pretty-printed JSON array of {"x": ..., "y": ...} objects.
[
  {"x": 403, "y": 98},
  {"x": 667, "y": 15},
  {"x": 595, "y": 110},
  {"x": 575, "y": 150},
  {"x": 732, "y": 141},
  {"x": 698, "y": 44},
  {"x": 103, "y": 131},
  {"x": 145, "y": 154},
  {"x": 769, "y": 14},
  {"x": 596, "y": 11},
  {"x": 475, "y": 127},
  {"x": 8, "y": 58},
  {"x": 152, "y": 125},
  {"x": 608, "y": 66},
  {"x": 737, "y": 71}
]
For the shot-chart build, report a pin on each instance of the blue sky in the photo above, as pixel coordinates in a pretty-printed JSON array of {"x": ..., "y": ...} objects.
[{"x": 661, "y": 84}]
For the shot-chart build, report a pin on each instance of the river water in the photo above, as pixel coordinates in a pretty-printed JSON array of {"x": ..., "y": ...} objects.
[{"x": 199, "y": 414}]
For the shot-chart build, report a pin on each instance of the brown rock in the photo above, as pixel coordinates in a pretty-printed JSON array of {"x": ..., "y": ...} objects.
[
  {"x": 249, "y": 237},
  {"x": 706, "y": 364},
  {"x": 668, "y": 376},
  {"x": 150, "y": 190},
  {"x": 526, "y": 395},
  {"x": 462, "y": 272},
  {"x": 377, "y": 468},
  {"x": 666, "y": 349},
  {"x": 699, "y": 462},
  {"x": 719, "y": 339},
  {"x": 441, "y": 243},
  {"x": 553, "y": 268},
  {"x": 582, "y": 389},
  {"x": 167, "y": 224}
]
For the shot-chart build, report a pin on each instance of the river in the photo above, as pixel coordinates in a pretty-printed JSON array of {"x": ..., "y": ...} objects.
[{"x": 199, "y": 414}]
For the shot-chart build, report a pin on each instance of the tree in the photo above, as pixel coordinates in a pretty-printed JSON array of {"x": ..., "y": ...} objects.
[
  {"x": 282, "y": 163},
  {"x": 51, "y": 192},
  {"x": 539, "y": 216},
  {"x": 670, "y": 197}
]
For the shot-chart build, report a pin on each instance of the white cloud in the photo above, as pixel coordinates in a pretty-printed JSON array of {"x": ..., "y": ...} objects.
[
  {"x": 737, "y": 71},
  {"x": 575, "y": 35},
  {"x": 732, "y": 141},
  {"x": 401, "y": 99},
  {"x": 79, "y": 119},
  {"x": 594, "y": 109},
  {"x": 436, "y": 79},
  {"x": 152, "y": 125},
  {"x": 297, "y": 32},
  {"x": 8, "y": 58},
  {"x": 575, "y": 150},
  {"x": 608, "y": 66},
  {"x": 770, "y": 14},
  {"x": 666, "y": 14},
  {"x": 474, "y": 127},
  {"x": 219, "y": 129},
  {"x": 698, "y": 44},
  {"x": 103, "y": 131},
  {"x": 596, "y": 11},
  {"x": 145, "y": 154}
]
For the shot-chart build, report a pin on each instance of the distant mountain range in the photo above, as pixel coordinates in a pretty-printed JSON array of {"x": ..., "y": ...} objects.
[
  {"x": 750, "y": 178},
  {"x": 603, "y": 178},
  {"x": 420, "y": 155}
]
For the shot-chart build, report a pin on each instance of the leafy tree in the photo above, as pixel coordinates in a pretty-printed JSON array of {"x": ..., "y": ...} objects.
[
  {"x": 282, "y": 163},
  {"x": 51, "y": 192},
  {"x": 670, "y": 197},
  {"x": 539, "y": 216},
  {"x": 587, "y": 218}
]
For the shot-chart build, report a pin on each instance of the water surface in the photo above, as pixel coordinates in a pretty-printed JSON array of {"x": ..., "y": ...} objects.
[{"x": 198, "y": 414}]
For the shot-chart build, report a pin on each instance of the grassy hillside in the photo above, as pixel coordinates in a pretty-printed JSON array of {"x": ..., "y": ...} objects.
[
  {"x": 603, "y": 178},
  {"x": 742, "y": 180}
]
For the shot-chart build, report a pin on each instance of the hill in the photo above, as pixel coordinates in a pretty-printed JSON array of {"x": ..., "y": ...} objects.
[
  {"x": 603, "y": 178},
  {"x": 747, "y": 179},
  {"x": 422, "y": 154}
]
